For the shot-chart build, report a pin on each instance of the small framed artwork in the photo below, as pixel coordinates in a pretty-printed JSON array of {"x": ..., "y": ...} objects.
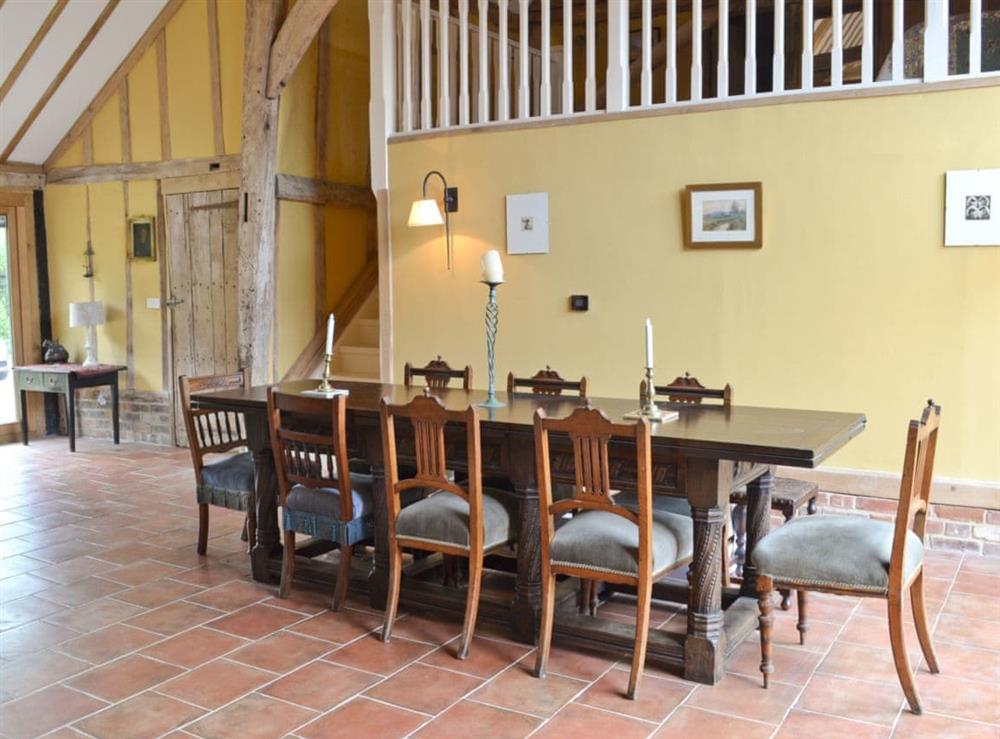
[
  {"x": 528, "y": 223},
  {"x": 972, "y": 208},
  {"x": 142, "y": 238},
  {"x": 723, "y": 216}
]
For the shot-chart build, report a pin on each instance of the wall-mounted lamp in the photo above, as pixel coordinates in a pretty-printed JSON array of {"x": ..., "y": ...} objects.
[{"x": 425, "y": 212}]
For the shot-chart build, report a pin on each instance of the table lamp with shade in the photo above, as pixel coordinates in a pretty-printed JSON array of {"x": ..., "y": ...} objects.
[
  {"x": 91, "y": 315},
  {"x": 425, "y": 212}
]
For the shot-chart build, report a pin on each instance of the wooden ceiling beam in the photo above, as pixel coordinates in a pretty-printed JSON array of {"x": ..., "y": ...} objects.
[
  {"x": 119, "y": 75},
  {"x": 296, "y": 34},
  {"x": 32, "y": 46},
  {"x": 63, "y": 73}
]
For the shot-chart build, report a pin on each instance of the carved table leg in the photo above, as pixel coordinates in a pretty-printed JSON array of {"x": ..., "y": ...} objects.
[
  {"x": 758, "y": 526},
  {"x": 740, "y": 534},
  {"x": 266, "y": 494},
  {"x": 525, "y": 611},
  {"x": 708, "y": 483}
]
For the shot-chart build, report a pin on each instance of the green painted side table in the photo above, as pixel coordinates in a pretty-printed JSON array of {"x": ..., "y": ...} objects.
[{"x": 65, "y": 380}]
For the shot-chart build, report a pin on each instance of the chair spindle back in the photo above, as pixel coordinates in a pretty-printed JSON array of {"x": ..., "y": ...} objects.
[
  {"x": 437, "y": 374},
  {"x": 305, "y": 452},
  {"x": 212, "y": 431},
  {"x": 687, "y": 390},
  {"x": 547, "y": 382}
]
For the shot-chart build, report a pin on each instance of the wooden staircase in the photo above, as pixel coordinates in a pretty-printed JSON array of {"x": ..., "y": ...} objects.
[{"x": 356, "y": 346}]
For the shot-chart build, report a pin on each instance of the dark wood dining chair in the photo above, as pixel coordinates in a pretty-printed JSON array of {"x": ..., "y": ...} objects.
[
  {"x": 603, "y": 540},
  {"x": 467, "y": 522},
  {"x": 319, "y": 494},
  {"x": 547, "y": 382},
  {"x": 437, "y": 374},
  {"x": 227, "y": 482},
  {"x": 850, "y": 555}
]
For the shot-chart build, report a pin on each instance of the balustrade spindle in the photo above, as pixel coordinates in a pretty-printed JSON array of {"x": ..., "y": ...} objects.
[
  {"x": 646, "y": 78},
  {"x": 545, "y": 91},
  {"x": 935, "y": 40},
  {"x": 484, "y": 61},
  {"x": 444, "y": 71},
  {"x": 722, "y": 72},
  {"x": 778, "y": 63},
  {"x": 898, "y": 21},
  {"x": 868, "y": 19},
  {"x": 670, "y": 76},
  {"x": 425, "y": 64},
  {"x": 524, "y": 72},
  {"x": 975, "y": 36},
  {"x": 618, "y": 75},
  {"x": 837, "y": 52},
  {"x": 808, "y": 32},
  {"x": 696, "y": 50},
  {"x": 590, "y": 84},
  {"x": 407, "y": 65},
  {"x": 750, "y": 62},
  {"x": 503, "y": 58},
  {"x": 567, "y": 85},
  {"x": 463, "y": 62}
]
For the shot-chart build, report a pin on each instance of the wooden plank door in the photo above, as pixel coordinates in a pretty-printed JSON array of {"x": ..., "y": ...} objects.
[{"x": 201, "y": 238}]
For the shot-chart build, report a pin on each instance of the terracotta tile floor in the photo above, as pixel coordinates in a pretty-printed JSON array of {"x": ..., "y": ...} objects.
[{"x": 112, "y": 626}]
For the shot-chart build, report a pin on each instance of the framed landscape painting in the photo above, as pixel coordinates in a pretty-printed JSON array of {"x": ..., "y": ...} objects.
[{"x": 723, "y": 216}]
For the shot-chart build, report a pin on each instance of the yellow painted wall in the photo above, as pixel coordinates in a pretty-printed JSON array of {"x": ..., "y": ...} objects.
[
  {"x": 190, "y": 117},
  {"x": 853, "y": 304}
]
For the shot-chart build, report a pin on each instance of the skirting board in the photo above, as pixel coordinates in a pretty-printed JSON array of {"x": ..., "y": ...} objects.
[{"x": 946, "y": 491}]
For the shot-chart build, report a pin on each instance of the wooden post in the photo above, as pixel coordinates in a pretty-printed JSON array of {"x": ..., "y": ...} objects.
[
  {"x": 257, "y": 193},
  {"x": 381, "y": 121}
]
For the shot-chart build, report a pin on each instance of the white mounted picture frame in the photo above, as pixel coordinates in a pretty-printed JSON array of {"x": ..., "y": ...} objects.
[
  {"x": 972, "y": 207},
  {"x": 528, "y": 223}
]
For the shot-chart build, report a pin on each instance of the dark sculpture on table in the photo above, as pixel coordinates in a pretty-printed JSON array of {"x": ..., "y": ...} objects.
[{"x": 55, "y": 353}]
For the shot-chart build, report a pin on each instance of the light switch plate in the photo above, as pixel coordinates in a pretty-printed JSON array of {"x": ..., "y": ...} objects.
[
  {"x": 528, "y": 223},
  {"x": 153, "y": 303}
]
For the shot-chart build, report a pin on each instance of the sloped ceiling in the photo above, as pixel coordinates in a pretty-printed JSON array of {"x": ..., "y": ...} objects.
[{"x": 20, "y": 22}]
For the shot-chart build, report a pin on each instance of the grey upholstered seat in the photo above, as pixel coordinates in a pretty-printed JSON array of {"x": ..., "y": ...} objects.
[
  {"x": 444, "y": 518},
  {"x": 326, "y": 501},
  {"x": 835, "y": 552},
  {"x": 608, "y": 542},
  {"x": 663, "y": 503},
  {"x": 234, "y": 473}
]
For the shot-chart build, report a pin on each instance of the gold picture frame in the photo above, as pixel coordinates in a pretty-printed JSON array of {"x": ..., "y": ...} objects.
[
  {"x": 727, "y": 215},
  {"x": 142, "y": 238}
]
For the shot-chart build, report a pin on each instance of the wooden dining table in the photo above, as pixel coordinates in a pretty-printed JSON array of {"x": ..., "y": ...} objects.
[{"x": 703, "y": 455}]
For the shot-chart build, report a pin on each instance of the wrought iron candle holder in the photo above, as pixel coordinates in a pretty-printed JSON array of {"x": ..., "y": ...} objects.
[
  {"x": 648, "y": 408},
  {"x": 492, "y": 319}
]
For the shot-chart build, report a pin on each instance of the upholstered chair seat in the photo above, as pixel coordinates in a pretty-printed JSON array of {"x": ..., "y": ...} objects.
[
  {"x": 443, "y": 518},
  {"x": 662, "y": 503},
  {"x": 609, "y": 543},
  {"x": 835, "y": 552},
  {"x": 228, "y": 482}
]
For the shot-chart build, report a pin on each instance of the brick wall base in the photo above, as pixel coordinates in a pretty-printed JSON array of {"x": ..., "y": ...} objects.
[
  {"x": 143, "y": 416},
  {"x": 950, "y": 527}
]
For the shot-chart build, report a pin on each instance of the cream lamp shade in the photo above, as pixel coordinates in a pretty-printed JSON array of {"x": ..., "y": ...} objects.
[
  {"x": 86, "y": 314},
  {"x": 425, "y": 213}
]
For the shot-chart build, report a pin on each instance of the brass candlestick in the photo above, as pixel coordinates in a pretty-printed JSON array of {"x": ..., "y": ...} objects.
[
  {"x": 325, "y": 386},
  {"x": 647, "y": 404}
]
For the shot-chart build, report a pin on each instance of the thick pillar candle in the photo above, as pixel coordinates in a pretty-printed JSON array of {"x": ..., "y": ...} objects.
[
  {"x": 649, "y": 343},
  {"x": 329, "y": 334},
  {"x": 492, "y": 267}
]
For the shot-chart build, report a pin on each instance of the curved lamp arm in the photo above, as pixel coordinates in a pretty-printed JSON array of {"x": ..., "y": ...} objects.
[{"x": 450, "y": 206}]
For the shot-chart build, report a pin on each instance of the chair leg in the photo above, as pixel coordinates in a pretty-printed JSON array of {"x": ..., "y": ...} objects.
[
  {"x": 471, "y": 604},
  {"x": 920, "y": 621},
  {"x": 765, "y": 588},
  {"x": 643, "y": 596},
  {"x": 395, "y": 572},
  {"x": 803, "y": 624},
  {"x": 202, "y": 528},
  {"x": 287, "y": 564},
  {"x": 584, "y": 604},
  {"x": 548, "y": 606},
  {"x": 899, "y": 655},
  {"x": 343, "y": 576}
]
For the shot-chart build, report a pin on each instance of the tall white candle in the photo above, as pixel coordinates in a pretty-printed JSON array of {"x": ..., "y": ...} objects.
[
  {"x": 492, "y": 266},
  {"x": 649, "y": 343},
  {"x": 329, "y": 334}
]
